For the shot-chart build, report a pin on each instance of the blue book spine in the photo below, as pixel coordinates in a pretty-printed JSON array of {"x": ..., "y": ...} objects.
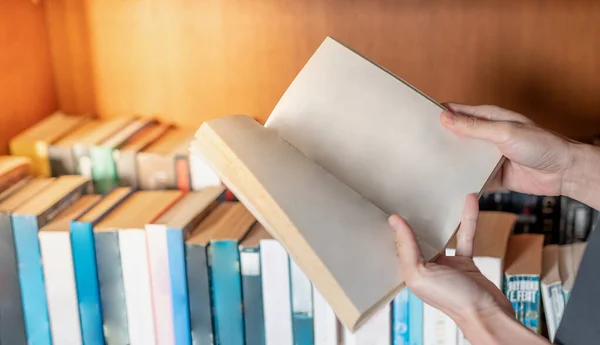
[
  {"x": 31, "y": 279},
  {"x": 179, "y": 293},
  {"x": 400, "y": 320},
  {"x": 415, "y": 315},
  {"x": 86, "y": 280},
  {"x": 523, "y": 291},
  {"x": 227, "y": 292},
  {"x": 254, "y": 319}
]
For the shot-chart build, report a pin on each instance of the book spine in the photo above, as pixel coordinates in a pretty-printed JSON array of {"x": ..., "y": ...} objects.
[
  {"x": 31, "y": 279},
  {"x": 254, "y": 322},
  {"x": 400, "y": 320},
  {"x": 438, "y": 328},
  {"x": 112, "y": 292},
  {"x": 137, "y": 286},
  {"x": 160, "y": 278},
  {"x": 302, "y": 306},
  {"x": 126, "y": 165},
  {"x": 86, "y": 279},
  {"x": 179, "y": 292},
  {"x": 61, "y": 160},
  {"x": 12, "y": 322},
  {"x": 37, "y": 151},
  {"x": 523, "y": 292},
  {"x": 376, "y": 331},
  {"x": 57, "y": 263},
  {"x": 156, "y": 171},
  {"x": 202, "y": 175},
  {"x": 550, "y": 218},
  {"x": 326, "y": 324},
  {"x": 582, "y": 222},
  {"x": 227, "y": 292},
  {"x": 276, "y": 293},
  {"x": 554, "y": 306},
  {"x": 104, "y": 170},
  {"x": 182, "y": 173},
  {"x": 198, "y": 280},
  {"x": 415, "y": 317}
]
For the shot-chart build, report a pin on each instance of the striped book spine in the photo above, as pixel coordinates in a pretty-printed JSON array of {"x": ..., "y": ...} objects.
[
  {"x": 400, "y": 320},
  {"x": 86, "y": 279},
  {"x": 254, "y": 320},
  {"x": 227, "y": 292}
]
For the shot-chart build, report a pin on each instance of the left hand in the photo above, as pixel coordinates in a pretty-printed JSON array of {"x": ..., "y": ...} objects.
[{"x": 452, "y": 284}]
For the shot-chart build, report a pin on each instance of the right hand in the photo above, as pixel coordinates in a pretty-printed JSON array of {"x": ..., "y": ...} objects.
[{"x": 537, "y": 159}]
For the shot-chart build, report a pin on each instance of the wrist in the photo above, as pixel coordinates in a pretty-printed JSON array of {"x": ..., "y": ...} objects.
[{"x": 580, "y": 178}]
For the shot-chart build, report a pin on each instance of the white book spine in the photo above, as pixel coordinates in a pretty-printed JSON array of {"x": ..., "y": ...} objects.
[
  {"x": 160, "y": 277},
  {"x": 301, "y": 290},
  {"x": 438, "y": 328},
  {"x": 276, "y": 293},
  {"x": 136, "y": 282},
  {"x": 61, "y": 293},
  {"x": 554, "y": 306},
  {"x": 325, "y": 321},
  {"x": 201, "y": 174},
  {"x": 377, "y": 331}
]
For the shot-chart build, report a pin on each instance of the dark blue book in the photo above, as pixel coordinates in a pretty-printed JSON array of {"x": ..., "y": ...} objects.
[
  {"x": 12, "y": 322},
  {"x": 254, "y": 319},
  {"x": 27, "y": 220},
  {"x": 85, "y": 266}
]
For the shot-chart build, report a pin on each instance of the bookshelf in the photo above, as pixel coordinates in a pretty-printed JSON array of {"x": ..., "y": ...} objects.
[{"x": 187, "y": 61}]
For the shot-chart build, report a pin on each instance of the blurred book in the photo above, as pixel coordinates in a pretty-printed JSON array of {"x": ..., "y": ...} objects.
[{"x": 552, "y": 294}]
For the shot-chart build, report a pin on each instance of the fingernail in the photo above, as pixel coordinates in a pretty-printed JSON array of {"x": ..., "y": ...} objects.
[
  {"x": 394, "y": 221},
  {"x": 448, "y": 117}
]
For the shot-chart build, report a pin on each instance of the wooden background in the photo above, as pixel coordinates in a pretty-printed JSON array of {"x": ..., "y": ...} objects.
[{"x": 190, "y": 60}]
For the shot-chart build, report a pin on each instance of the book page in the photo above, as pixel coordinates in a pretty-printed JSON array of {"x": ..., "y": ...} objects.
[{"x": 382, "y": 138}]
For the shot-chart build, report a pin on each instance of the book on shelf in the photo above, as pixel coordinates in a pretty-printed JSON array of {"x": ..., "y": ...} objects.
[
  {"x": 302, "y": 306},
  {"x": 569, "y": 260},
  {"x": 325, "y": 322},
  {"x": 13, "y": 169},
  {"x": 166, "y": 258},
  {"x": 71, "y": 154},
  {"x": 551, "y": 289},
  {"x": 35, "y": 141},
  {"x": 26, "y": 221},
  {"x": 59, "y": 276},
  {"x": 376, "y": 331},
  {"x": 85, "y": 265},
  {"x": 12, "y": 322},
  {"x": 123, "y": 272},
  {"x": 126, "y": 155},
  {"x": 522, "y": 278},
  {"x": 347, "y": 145},
  {"x": 400, "y": 318}
]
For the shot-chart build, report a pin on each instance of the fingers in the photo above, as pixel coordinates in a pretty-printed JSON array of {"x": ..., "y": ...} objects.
[
  {"x": 465, "y": 237},
  {"x": 408, "y": 249},
  {"x": 487, "y": 112},
  {"x": 497, "y": 132}
]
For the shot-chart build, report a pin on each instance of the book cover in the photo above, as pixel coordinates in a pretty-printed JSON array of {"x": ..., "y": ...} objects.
[
  {"x": 165, "y": 241},
  {"x": 302, "y": 306},
  {"x": 12, "y": 170},
  {"x": 311, "y": 182},
  {"x": 400, "y": 320},
  {"x": 27, "y": 219},
  {"x": 325, "y": 321},
  {"x": 551, "y": 289},
  {"x": 254, "y": 319},
  {"x": 34, "y": 141},
  {"x": 198, "y": 280},
  {"x": 59, "y": 277},
  {"x": 274, "y": 263},
  {"x": 569, "y": 260},
  {"x": 86, "y": 268},
  {"x": 12, "y": 322},
  {"x": 522, "y": 278}
]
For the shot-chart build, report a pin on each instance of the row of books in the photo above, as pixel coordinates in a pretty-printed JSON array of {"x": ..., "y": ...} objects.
[
  {"x": 560, "y": 219},
  {"x": 124, "y": 151}
]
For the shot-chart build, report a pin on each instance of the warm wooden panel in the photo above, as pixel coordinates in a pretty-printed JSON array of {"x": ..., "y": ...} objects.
[
  {"x": 191, "y": 60},
  {"x": 26, "y": 84}
]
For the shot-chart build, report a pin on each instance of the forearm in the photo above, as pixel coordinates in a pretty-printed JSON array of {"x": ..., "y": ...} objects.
[
  {"x": 499, "y": 329},
  {"x": 582, "y": 179}
]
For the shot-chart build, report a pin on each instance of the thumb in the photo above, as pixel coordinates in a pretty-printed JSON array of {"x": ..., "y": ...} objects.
[
  {"x": 497, "y": 132},
  {"x": 408, "y": 249}
]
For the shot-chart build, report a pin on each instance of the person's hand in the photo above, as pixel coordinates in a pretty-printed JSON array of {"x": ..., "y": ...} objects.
[
  {"x": 452, "y": 284},
  {"x": 537, "y": 160}
]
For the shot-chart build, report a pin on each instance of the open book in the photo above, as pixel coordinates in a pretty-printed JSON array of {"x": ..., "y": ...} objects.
[{"x": 347, "y": 145}]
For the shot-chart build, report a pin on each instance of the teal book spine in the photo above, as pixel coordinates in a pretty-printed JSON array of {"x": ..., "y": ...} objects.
[
  {"x": 227, "y": 292},
  {"x": 254, "y": 319},
  {"x": 400, "y": 320},
  {"x": 415, "y": 317},
  {"x": 31, "y": 279},
  {"x": 179, "y": 293},
  {"x": 104, "y": 170},
  {"x": 523, "y": 292},
  {"x": 86, "y": 280}
]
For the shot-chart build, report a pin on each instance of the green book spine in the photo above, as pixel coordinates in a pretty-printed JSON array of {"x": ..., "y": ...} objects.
[{"x": 104, "y": 170}]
